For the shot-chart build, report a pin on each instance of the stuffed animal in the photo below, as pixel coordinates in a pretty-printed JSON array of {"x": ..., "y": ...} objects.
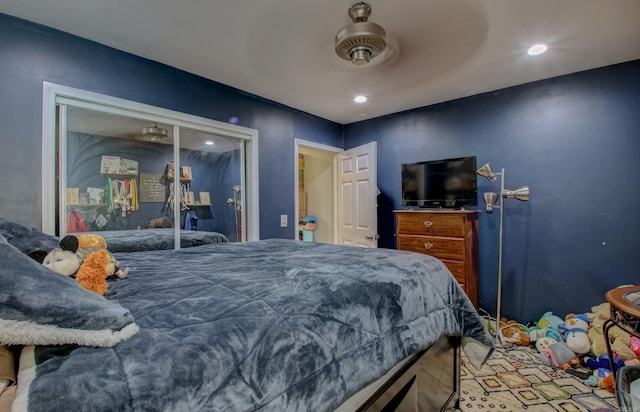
[
  {"x": 159, "y": 222},
  {"x": 578, "y": 340},
  {"x": 557, "y": 354},
  {"x": 86, "y": 243},
  {"x": 536, "y": 333},
  {"x": 575, "y": 333},
  {"x": 83, "y": 244},
  {"x": 90, "y": 240},
  {"x": 62, "y": 260},
  {"x": 73, "y": 250},
  {"x": 513, "y": 332},
  {"x": 543, "y": 343},
  {"x": 551, "y": 321},
  {"x": 547, "y": 326},
  {"x": 634, "y": 345},
  {"x": 602, "y": 378},
  {"x": 602, "y": 362},
  {"x": 93, "y": 272},
  {"x": 620, "y": 340}
]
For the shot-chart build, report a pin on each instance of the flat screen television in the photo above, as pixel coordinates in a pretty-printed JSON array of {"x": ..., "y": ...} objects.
[{"x": 446, "y": 183}]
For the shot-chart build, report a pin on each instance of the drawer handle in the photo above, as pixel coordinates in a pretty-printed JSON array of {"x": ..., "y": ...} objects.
[
  {"x": 428, "y": 245},
  {"x": 428, "y": 223}
]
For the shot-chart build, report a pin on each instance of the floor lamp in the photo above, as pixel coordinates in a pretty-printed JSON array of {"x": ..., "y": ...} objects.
[{"x": 521, "y": 193}]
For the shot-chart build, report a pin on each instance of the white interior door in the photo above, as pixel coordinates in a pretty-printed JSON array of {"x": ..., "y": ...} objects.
[{"x": 357, "y": 196}]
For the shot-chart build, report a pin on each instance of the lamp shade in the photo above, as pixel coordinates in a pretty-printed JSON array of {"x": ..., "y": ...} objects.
[
  {"x": 521, "y": 193},
  {"x": 490, "y": 201},
  {"x": 487, "y": 171}
]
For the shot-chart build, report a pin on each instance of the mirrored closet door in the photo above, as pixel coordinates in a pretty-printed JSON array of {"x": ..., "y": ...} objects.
[{"x": 136, "y": 168}]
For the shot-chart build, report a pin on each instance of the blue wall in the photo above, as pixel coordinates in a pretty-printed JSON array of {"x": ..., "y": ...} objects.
[
  {"x": 31, "y": 54},
  {"x": 575, "y": 141},
  {"x": 215, "y": 173}
]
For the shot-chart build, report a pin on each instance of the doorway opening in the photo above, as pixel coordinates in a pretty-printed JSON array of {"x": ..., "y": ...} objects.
[
  {"x": 337, "y": 189},
  {"x": 315, "y": 192}
]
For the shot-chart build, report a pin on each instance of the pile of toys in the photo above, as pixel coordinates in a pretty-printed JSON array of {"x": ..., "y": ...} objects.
[{"x": 575, "y": 344}]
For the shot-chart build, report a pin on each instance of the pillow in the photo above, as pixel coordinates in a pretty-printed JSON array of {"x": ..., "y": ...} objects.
[
  {"x": 27, "y": 239},
  {"x": 40, "y": 307}
]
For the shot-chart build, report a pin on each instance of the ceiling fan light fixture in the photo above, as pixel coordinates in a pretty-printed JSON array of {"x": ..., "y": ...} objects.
[
  {"x": 360, "y": 41},
  {"x": 153, "y": 134}
]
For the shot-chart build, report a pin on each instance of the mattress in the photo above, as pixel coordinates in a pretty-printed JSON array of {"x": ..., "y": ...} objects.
[
  {"x": 157, "y": 239},
  {"x": 269, "y": 325}
]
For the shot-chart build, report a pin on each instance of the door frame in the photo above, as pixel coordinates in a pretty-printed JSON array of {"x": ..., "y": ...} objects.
[
  {"x": 54, "y": 94},
  {"x": 297, "y": 143}
]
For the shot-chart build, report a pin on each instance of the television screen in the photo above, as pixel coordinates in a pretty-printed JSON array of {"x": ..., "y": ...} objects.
[{"x": 446, "y": 183}]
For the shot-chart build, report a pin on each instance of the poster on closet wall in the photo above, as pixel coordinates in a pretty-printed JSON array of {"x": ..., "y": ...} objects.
[
  {"x": 96, "y": 195},
  {"x": 151, "y": 189},
  {"x": 128, "y": 167},
  {"x": 114, "y": 165},
  {"x": 110, "y": 165}
]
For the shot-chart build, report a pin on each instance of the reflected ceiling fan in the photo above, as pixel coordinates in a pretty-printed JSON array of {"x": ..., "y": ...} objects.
[{"x": 153, "y": 134}]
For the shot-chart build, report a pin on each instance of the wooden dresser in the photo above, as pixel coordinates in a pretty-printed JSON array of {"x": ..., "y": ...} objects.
[{"x": 449, "y": 235}]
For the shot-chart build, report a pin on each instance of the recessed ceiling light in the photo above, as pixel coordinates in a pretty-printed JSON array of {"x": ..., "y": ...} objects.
[
  {"x": 360, "y": 99},
  {"x": 209, "y": 143},
  {"x": 537, "y": 49}
]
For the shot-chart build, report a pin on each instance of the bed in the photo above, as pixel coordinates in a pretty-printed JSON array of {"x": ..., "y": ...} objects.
[
  {"x": 157, "y": 239},
  {"x": 269, "y": 325}
]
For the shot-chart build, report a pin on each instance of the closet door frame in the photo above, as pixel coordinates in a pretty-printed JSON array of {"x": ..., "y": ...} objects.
[{"x": 57, "y": 97}]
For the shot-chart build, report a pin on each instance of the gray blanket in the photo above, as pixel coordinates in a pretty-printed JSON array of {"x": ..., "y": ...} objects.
[
  {"x": 272, "y": 325},
  {"x": 156, "y": 239}
]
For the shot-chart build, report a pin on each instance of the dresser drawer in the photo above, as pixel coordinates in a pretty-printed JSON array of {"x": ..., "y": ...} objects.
[
  {"x": 451, "y": 236},
  {"x": 440, "y": 247},
  {"x": 431, "y": 224},
  {"x": 457, "y": 269}
]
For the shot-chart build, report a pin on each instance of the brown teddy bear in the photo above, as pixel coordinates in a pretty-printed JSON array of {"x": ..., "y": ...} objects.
[{"x": 94, "y": 270}]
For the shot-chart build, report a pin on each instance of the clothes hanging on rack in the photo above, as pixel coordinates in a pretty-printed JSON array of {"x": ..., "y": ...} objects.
[
  {"x": 190, "y": 220},
  {"x": 167, "y": 208},
  {"x": 75, "y": 222},
  {"x": 121, "y": 194}
]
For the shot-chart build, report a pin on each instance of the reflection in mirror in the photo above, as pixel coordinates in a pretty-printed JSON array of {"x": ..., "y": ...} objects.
[
  {"x": 118, "y": 177},
  {"x": 210, "y": 166}
]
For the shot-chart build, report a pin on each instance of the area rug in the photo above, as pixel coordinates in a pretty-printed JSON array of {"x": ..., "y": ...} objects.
[{"x": 515, "y": 379}]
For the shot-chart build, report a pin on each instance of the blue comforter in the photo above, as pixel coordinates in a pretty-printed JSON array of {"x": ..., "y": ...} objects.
[
  {"x": 272, "y": 325},
  {"x": 156, "y": 239}
]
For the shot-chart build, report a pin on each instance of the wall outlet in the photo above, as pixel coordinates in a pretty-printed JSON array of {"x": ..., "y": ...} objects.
[{"x": 283, "y": 220}]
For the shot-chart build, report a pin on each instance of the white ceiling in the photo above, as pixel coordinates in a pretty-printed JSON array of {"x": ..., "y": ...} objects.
[
  {"x": 282, "y": 50},
  {"x": 98, "y": 123}
]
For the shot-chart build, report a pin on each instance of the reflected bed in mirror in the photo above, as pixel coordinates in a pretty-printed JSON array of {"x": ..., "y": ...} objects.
[{"x": 157, "y": 239}]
